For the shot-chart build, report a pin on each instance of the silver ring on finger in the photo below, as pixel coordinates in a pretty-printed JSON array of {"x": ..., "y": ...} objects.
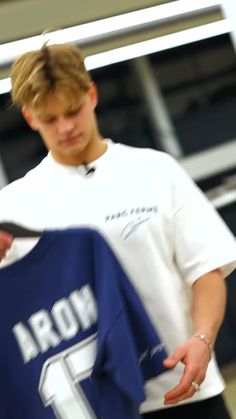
[{"x": 196, "y": 386}]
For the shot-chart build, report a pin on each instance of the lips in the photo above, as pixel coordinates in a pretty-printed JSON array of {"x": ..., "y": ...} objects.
[{"x": 70, "y": 140}]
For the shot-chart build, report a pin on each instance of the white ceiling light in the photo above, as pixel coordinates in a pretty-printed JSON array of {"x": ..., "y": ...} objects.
[
  {"x": 148, "y": 47},
  {"x": 107, "y": 27}
]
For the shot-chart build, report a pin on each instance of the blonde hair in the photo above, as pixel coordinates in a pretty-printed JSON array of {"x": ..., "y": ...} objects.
[{"x": 58, "y": 69}]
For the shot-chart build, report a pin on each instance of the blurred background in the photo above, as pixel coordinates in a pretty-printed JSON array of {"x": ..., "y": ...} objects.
[{"x": 166, "y": 76}]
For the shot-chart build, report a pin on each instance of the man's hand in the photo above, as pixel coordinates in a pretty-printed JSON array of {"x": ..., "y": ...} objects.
[
  {"x": 5, "y": 243},
  {"x": 207, "y": 309},
  {"x": 194, "y": 354}
]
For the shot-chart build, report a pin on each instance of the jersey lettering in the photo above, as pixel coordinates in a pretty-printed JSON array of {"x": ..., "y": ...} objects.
[
  {"x": 60, "y": 379},
  {"x": 67, "y": 317},
  {"x": 42, "y": 327},
  {"x": 27, "y": 345}
]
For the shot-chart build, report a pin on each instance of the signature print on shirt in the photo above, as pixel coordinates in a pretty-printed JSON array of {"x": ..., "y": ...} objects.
[{"x": 142, "y": 215}]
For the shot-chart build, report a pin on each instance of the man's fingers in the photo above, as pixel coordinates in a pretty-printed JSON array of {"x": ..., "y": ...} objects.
[
  {"x": 181, "y": 397},
  {"x": 5, "y": 243},
  {"x": 185, "y": 389}
]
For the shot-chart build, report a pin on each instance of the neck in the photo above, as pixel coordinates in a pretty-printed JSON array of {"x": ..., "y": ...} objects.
[{"x": 93, "y": 151}]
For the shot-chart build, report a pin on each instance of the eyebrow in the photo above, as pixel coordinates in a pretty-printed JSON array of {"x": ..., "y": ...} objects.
[{"x": 42, "y": 116}]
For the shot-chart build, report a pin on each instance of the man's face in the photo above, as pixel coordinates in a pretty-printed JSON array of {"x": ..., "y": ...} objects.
[{"x": 69, "y": 132}]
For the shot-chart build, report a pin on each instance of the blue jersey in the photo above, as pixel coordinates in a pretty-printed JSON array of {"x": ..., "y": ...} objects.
[{"x": 75, "y": 340}]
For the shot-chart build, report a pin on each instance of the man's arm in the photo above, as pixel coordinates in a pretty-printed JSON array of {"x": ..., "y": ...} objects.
[
  {"x": 208, "y": 308},
  {"x": 5, "y": 243}
]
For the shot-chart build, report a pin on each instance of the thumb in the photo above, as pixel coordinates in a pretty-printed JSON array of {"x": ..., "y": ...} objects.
[{"x": 172, "y": 360}]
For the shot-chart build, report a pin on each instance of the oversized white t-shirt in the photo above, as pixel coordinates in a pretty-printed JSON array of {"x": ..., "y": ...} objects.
[{"x": 160, "y": 225}]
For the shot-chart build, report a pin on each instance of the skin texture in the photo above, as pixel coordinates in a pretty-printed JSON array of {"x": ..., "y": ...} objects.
[
  {"x": 5, "y": 243},
  {"x": 208, "y": 307},
  {"x": 70, "y": 133}
]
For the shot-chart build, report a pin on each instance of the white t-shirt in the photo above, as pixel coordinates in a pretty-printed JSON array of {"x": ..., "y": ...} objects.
[{"x": 160, "y": 225}]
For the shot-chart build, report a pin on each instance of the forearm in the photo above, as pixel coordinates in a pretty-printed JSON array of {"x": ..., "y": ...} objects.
[
  {"x": 208, "y": 307},
  {"x": 208, "y": 304}
]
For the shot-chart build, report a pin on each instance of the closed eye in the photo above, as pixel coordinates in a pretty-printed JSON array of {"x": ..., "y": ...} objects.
[
  {"x": 49, "y": 120},
  {"x": 74, "y": 112}
]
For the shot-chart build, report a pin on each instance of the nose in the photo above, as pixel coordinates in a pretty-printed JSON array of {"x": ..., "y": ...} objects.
[{"x": 65, "y": 126}]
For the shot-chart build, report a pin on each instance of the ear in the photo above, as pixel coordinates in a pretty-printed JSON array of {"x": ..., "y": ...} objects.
[
  {"x": 28, "y": 116},
  {"x": 93, "y": 93}
]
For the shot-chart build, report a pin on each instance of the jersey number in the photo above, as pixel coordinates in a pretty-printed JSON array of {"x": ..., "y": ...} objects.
[{"x": 59, "y": 382}]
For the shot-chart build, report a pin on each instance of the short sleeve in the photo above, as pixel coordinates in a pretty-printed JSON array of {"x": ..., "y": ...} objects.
[{"x": 202, "y": 240}]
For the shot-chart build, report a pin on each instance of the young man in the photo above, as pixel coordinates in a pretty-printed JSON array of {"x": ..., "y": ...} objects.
[{"x": 173, "y": 245}]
